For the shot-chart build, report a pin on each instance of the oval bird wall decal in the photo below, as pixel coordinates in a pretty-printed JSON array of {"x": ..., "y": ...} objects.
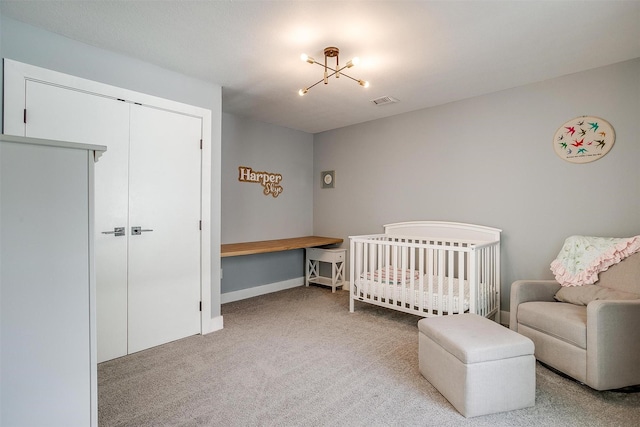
[{"x": 583, "y": 139}]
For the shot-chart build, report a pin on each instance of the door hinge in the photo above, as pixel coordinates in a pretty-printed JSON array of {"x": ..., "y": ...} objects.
[
  {"x": 201, "y": 144},
  {"x": 24, "y": 115},
  {"x": 200, "y": 305},
  {"x": 200, "y": 225}
]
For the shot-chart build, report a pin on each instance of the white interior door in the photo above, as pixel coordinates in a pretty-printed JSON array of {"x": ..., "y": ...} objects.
[
  {"x": 60, "y": 113},
  {"x": 164, "y": 262},
  {"x": 148, "y": 285}
]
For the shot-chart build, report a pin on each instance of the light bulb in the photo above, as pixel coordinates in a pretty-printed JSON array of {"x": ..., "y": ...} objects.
[
  {"x": 301, "y": 92},
  {"x": 352, "y": 62},
  {"x": 363, "y": 83},
  {"x": 307, "y": 58}
]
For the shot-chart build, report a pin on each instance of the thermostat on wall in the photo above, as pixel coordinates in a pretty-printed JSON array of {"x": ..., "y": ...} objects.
[{"x": 328, "y": 179}]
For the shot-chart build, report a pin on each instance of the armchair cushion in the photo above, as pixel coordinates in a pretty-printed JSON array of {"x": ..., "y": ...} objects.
[
  {"x": 566, "y": 322},
  {"x": 583, "y": 295},
  {"x": 530, "y": 290}
]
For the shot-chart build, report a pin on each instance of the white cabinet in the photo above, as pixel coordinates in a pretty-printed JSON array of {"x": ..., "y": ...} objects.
[
  {"x": 47, "y": 286},
  {"x": 335, "y": 257}
]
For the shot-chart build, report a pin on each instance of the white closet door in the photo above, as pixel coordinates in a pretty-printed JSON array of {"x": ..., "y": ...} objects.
[
  {"x": 164, "y": 262},
  {"x": 64, "y": 114}
]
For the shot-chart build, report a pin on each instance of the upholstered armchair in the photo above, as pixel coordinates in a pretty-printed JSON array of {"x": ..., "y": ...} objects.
[{"x": 590, "y": 332}]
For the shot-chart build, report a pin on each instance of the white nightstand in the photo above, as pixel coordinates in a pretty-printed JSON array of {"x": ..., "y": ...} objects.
[{"x": 335, "y": 257}]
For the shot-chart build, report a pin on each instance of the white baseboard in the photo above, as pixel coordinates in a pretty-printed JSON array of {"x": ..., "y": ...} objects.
[
  {"x": 261, "y": 290},
  {"x": 215, "y": 324}
]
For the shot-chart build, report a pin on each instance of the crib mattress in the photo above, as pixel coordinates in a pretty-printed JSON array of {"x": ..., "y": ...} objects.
[{"x": 395, "y": 285}]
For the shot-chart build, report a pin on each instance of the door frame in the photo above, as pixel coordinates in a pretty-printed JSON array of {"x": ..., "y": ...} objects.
[{"x": 16, "y": 74}]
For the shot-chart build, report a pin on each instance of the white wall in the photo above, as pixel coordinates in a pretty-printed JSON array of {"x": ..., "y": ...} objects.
[
  {"x": 249, "y": 215},
  {"x": 35, "y": 46},
  {"x": 489, "y": 160}
]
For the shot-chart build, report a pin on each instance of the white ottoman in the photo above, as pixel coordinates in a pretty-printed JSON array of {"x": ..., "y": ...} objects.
[{"x": 480, "y": 366}]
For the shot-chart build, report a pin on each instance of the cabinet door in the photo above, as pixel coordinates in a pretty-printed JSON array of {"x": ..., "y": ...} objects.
[
  {"x": 164, "y": 264},
  {"x": 45, "y": 308},
  {"x": 65, "y": 114}
]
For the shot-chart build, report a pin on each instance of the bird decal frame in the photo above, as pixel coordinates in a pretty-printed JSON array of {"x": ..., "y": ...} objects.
[{"x": 584, "y": 139}]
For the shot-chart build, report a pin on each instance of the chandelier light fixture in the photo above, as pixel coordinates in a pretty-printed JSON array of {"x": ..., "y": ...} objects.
[{"x": 331, "y": 52}]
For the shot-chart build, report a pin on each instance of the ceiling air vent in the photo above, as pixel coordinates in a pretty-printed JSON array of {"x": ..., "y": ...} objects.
[{"x": 383, "y": 100}]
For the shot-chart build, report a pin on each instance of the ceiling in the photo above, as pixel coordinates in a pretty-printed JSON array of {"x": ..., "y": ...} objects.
[{"x": 423, "y": 53}]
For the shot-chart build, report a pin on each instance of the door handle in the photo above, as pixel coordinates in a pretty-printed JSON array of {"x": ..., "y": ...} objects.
[
  {"x": 117, "y": 231},
  {"x": 136, "y": 231}
]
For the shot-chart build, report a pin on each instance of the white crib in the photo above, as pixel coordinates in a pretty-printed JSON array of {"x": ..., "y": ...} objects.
[{"x": 428, "y": 268}]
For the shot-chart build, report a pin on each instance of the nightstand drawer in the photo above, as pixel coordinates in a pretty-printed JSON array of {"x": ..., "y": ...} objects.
[{"x": 326, "y": 255}]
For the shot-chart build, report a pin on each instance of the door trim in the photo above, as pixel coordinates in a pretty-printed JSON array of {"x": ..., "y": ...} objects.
[{"x": 15, "y": 76}]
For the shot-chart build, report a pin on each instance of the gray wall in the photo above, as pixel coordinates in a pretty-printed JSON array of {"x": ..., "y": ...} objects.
[
  {"x": 41, "y": 48},
  {"x": 1, "y": 69},
  {"x": 489, "y": 160},
  {"x": 35, "y": 46},
  {"x": 249, "y": 215}
]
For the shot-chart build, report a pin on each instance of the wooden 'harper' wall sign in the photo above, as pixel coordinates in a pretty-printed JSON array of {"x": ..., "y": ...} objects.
[{"x": 270, "y": 181}]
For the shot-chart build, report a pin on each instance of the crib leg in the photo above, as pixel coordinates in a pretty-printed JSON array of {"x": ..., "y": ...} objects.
[{"x": 351, "y": 304}]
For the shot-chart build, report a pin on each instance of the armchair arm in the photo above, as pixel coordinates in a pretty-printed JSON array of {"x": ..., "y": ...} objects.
[
  {"x": 529, "y": 290},
  {"x": 613, "y": 343}
]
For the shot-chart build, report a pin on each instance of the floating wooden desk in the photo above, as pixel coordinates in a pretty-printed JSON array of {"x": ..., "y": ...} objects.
[{"x": 265, "y": 246}]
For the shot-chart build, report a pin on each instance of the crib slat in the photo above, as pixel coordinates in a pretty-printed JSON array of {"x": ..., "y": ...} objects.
[
  {"x": 440, "y": 273},
  {"x": 430, "y": 275},
  {"x": 353, "y": 273},
  {"x": 411, "y": 263},
  {"x": 461, "y": 284},
  {"x": 421, "y": 256},
  {"x": 473, "y": 277},
  {"x": 378, "y": 263},
  {"x": 367, "y": 267},
  {"x": 482, "y": 281}
]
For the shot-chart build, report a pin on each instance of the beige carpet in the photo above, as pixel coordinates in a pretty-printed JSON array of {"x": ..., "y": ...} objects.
[{"x": 299, "y": 358}]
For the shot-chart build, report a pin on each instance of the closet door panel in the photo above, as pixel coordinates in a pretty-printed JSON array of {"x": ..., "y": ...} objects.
[
  {"x": 164, "y": 262},
  {"x": 60, "y": 113}
]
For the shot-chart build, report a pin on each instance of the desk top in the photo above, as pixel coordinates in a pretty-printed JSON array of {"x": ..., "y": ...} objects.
[{"x": 264, "y": 246}]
